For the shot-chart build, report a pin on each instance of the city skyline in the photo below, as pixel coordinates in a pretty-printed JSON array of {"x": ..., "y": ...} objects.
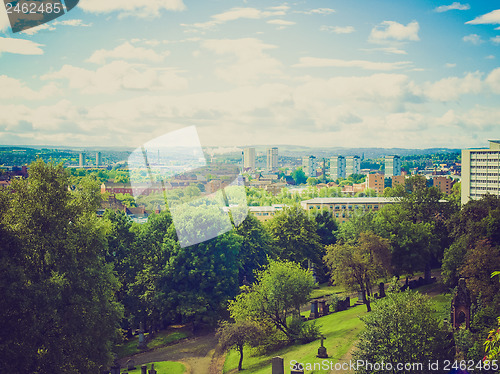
[{"x": 313, "y": 73}]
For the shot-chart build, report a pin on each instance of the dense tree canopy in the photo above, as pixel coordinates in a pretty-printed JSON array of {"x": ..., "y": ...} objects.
[
  {"x": 401, "y": 329},
  {"x": 59, "y": 313}
]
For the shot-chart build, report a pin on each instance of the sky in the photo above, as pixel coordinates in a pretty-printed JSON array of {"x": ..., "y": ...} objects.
[{"x": 358, "y": 73}]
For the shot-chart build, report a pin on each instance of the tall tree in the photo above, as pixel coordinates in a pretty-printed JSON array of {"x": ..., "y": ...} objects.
[
  {"x": 295, "y": 237},
  {"x": 356, "y": 265},
  {"x": 280, "y": 290},
  {"x": 255, "y": 247},
  {"x": 60, "y": 313}
]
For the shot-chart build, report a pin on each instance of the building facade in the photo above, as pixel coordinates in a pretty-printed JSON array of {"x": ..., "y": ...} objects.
[
  {"x": 309, "y": 166},
  {"x": 249, "y": 158},
  {"x": 353, "y": 165},
  {"x": 343, "y": 208},
  {"x": 480, "y": 172},
  {"x": 375, "y": 182},
  {"x": 337, "y": 167},
  {"x": 272, "y": 158},
  {"x": 443, "y": 183},
  {"x": 392, "y": 166}
]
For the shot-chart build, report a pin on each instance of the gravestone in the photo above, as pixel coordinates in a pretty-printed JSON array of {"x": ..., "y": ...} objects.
[
  {"x": 322, "y": 350},
  {"x": 115, "y": 369},
  {"x": 381, "y": 289},
  {"x": 314, "y": 310},
  {"x": 142, "y": 341},
  {"x": 460, "y": 306},
  {"x": 152, "y": 370},
  {"x": 144, "y": 369},
  {"x": 323, "y": 308},
  {"x": 278, "y": 366},
  {"x": 130, "y": 365}
]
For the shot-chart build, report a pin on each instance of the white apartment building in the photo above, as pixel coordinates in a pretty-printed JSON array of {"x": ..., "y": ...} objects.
[
  {"x": 249, "y": 158},
  {"x": 309, "y": 166},
  {"x": 392, "y": 166},
  {"x": 353, "y": 165},
  {"x": 272, "y": 158},
  {"x": 337, "y": 167},
  {"x": 480, "y": 172}
]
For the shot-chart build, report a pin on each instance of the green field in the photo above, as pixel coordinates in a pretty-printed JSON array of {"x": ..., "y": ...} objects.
[
  {"x": 341, "y": 330},
  {"x": 163, "y": 367}
]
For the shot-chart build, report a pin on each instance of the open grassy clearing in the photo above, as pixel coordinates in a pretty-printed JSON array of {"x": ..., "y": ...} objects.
[{"x": 341, "y": 330}]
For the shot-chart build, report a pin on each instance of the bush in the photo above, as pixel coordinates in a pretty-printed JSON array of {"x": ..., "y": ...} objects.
[{"x": 303, "y": 332}]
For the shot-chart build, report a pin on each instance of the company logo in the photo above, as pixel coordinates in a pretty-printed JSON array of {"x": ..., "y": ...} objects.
[
  {"x": 25, "y": 14},
  {"x": 205, "y": 199}
]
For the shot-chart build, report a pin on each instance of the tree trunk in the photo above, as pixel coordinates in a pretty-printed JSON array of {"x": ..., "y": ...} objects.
[
  {"x": 367, "y": 301},
  {"x": 240, "y": 364}
]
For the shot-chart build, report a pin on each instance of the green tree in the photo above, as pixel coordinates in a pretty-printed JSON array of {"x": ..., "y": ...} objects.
[
  {"x": 255, "y": 247},
  {"x": 401, "y": 329},
  {"x": 356, "y": 265},
  {"x": 299, "y": 176},
  {"x": 294, "y": 235},
  {"x": 311, "y": 181},
  {"x": 280, "y": 290},
  {"x": 237, "y": 335},
  {"x": 60, "y": 313}
]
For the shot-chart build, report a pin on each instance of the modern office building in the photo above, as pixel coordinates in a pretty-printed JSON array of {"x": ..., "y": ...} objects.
[
  {"x": 392, "y": 166},
  {"x": 249, "y": 158},
  {"x": 309, "y": 166},
  {"x": 337, "y": 167},
  {"x": 272, "y": 158},
  {"x": 352, "y": 165},
  {"x": 480, "y": 172}
]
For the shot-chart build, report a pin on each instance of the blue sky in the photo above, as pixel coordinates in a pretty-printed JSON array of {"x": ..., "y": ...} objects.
[{"x": 398, "y": 73}]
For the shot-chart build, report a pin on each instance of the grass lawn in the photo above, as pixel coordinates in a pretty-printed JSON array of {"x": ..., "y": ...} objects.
[
  {"x": 324, "y": 289},
  {"x": 162, "y": 367},
  {"x": 162, "y": 338},
  {"x": 442, "y": 303},
  {"x": 341, "y": 330}
]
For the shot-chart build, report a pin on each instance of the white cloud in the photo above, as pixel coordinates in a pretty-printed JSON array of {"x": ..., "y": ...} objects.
[
  {"x": 235, "y": 14},
  {"x": 308, "y": 62},
  {"x": 490, "y": 57},
  {"x": 473, "y": 38},
  {"x": 394, "y": 31},
  {"x": 486, "y": 19},
  {"x": 14, "y": 88},
  {"x": 125, "y": 51},
  {"x": 496, "y": 39},
  {"x": 150, "y": 8},
  {"x": 317, "y": 11},
  {"x": 116, "y": 76},
  {"x": 280, "y": 22},
  {"x": 247, "y": 60},
  {"x": 20, "y": 46},
  {"x": 52, "y": 26},
  {"x": 455, "y": 6},
  {"x": 493, "y": 80},
  {"x": 451, "y": 89},
  {"x": 338, "y": 29},
  {"x": 389, "y": 50},
  {"x": 450, "y": 65}
]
